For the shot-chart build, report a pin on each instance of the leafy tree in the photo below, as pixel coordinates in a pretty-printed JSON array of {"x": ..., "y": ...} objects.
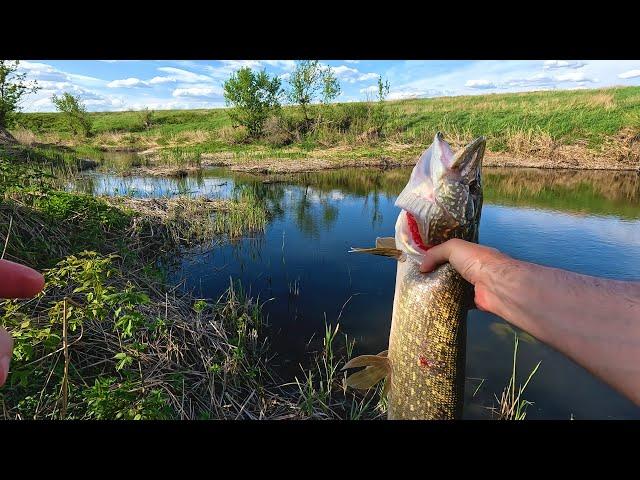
[
  {"x": 253, "y": 96},
  {"x": 381, "y": 116},
  {"x": 383, "y": 89},
  {"x": 330, "y": 86},
  {"x": 75, "y": 113},
  {"x": 13, "y": 86},
  {"x": 311, "y": 82}
]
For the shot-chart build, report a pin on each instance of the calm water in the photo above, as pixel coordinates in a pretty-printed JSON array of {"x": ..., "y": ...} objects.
[{"x": 588, "y": 222}]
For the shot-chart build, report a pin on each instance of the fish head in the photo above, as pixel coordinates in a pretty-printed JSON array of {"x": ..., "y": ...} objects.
[{"x": 443, "y": 197}]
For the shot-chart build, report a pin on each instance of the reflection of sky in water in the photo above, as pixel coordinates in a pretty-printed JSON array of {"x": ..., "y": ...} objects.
[{"x": 308, "y": 242}]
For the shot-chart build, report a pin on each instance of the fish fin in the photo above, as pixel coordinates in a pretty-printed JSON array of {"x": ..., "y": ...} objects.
[
  {"x": 384, "y": 353},
  {"x": 367, "y": 378},
  {"x": 385, "y": 252},
  {"x": 365, "y": 360},
  {"x": 385, "y": 242},
  {"x": 377, "y": 368}
]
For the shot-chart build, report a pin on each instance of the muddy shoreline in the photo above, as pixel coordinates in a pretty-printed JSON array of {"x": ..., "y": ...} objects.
[{"x": 267, "y": 166}]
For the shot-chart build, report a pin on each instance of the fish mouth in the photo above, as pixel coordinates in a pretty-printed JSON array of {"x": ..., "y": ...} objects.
[{"x": 468, "y": 160}]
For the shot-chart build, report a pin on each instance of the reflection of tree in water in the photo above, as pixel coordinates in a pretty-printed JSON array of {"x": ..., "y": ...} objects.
[
  {"x": 311, "y": 220},
  {"x": 376, "y": 214},
  {"x": 594, "y": 192}
]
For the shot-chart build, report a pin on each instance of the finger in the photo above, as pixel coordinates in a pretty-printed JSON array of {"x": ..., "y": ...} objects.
[
  {"x": 435, "y": 256},
  {"x": 18, "y": 281},
  {"x": 6, "y": 345}
]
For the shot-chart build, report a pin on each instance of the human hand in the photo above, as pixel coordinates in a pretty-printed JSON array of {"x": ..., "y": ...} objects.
[
  {"x": 476, "y": 263},
  {"x": 16, "y": 281}
]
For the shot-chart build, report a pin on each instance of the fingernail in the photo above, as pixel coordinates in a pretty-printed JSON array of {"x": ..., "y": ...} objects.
[{"x": 4, "y": 368}]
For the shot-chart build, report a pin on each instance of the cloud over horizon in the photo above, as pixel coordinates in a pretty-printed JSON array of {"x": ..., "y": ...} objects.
[{"x": 158, "y": 84}]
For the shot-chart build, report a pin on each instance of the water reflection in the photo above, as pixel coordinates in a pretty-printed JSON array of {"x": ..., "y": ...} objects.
[{"x": 582, "y": 221}]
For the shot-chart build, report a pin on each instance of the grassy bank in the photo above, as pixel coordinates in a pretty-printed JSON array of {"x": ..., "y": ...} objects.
[{"x": 579, "y": 128}]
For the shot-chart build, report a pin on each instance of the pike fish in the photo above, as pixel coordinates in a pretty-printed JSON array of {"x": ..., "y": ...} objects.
[{"x": 423, "y": 368}]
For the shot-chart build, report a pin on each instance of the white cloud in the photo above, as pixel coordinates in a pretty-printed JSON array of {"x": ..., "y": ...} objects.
[
  {"x": 479, "y": 84},
  {"x": 200, "y": 91},
  {"x": 178, "y": 75},
  {"x": 228, "y": 67},
  {"x": 369, "y": 89},
  {"x": 552, "y": 64},
  {"x": 352, "y": 61},
  {"x": 130, "y": 82},
  {"x": 352, "y": 75},
  {"x": 574, "y": 77},
  {"x": 286, "y": 65},
  {"x": 43, "y": 72},
  {"x": 630, "y": 74},
  {"x": 405, "y": 93}
]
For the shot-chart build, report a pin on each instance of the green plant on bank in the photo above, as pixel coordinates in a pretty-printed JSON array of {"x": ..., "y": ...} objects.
[
  {"x": 253, "y": 98},
  {"x": 146, "y": 118},
  {"x": 74, "y": 112},
  {"x": 511, "y": 405},
  {"x": 180, "y": 157},
  {"x": 322, "y": 392},
  {"x": 13, "y": 87},
  {"x": 381, "y": 116}
]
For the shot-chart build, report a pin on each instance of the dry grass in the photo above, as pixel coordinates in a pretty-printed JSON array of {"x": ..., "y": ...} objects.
[
  {"x": 602, "y": 100},
  {"x": 536, "y": 143},
  {"x": 25, "y": 137}
]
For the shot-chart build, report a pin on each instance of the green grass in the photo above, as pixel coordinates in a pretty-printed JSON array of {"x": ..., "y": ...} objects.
[{"x": 587, "y": 117}]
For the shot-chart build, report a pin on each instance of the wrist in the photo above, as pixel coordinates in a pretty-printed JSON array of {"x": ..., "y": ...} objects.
[{"x": 499, "y": 281}]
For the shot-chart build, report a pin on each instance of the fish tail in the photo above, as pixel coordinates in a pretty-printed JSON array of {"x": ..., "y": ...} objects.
[{"x": 377, "y": 368}]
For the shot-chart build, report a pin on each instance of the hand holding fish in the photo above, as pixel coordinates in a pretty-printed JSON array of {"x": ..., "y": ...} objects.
[
  {"x": 471, "y": 261},
  {"x": 594, "y": 321}
]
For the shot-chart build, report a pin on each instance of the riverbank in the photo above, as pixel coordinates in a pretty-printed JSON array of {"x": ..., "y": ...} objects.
[
  {"x": 581, "y": 129},
  {"x": 110, "y": 338}
]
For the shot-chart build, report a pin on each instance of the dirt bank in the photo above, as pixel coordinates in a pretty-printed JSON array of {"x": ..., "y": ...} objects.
[{"x": 277, "y": 165}]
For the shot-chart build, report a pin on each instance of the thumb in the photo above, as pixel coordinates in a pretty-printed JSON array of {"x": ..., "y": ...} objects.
[{"x": 435, "y": 256}]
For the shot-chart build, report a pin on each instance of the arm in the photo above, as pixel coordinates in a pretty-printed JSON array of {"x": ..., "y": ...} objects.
[{"x": 594, "y": 321}]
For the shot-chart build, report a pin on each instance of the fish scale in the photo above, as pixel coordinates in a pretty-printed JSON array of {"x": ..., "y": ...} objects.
[
  {"x": 424, "y": 365},
  {"x": 427, "y": 344}
]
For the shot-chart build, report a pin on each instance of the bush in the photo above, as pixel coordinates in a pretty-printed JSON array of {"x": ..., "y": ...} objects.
[
  {"x": 276, "y": 132},
  {"x": 146, "y": 118},
  {"x": 74, "y": 112}
]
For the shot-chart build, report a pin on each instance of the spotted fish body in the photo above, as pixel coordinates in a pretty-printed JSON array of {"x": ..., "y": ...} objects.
[{"x": 424, "y": 365}]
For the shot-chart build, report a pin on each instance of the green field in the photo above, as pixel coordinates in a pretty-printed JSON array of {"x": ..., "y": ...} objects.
[{"x": 521, "y": 123}]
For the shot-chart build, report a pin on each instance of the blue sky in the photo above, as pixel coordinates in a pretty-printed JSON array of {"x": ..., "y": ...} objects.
[{"x": 163, "y": 84}]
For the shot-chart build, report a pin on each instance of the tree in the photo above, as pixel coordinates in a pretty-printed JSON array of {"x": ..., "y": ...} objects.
[
  {"x": 383, "y": 89},
  {"x": 74, "y": 111},
  {"x": 13, "y": 86},
  {"x": 253, "y": 96},
  {"x": 310, "y": 81},
  {"x": 381, "y": 116}
]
